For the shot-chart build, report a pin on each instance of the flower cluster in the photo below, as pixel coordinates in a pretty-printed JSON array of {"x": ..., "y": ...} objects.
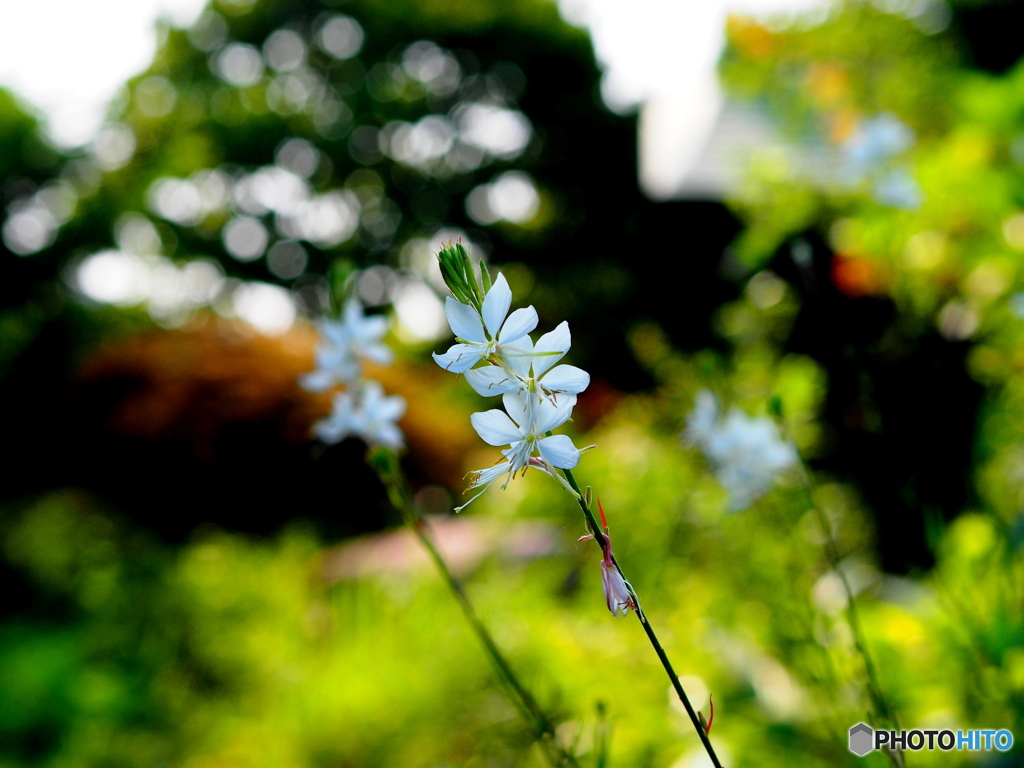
[
  {"x": 498, "y": 357},
  {"x": 746, "y": 452},
  {"x": 344, "y": 344},
  {"x": 361, "y": 409}
]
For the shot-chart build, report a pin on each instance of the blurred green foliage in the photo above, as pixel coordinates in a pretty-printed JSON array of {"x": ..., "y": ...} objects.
[
  {"x": 248, "y": 652},
  {"x": 121, "y": 648}
]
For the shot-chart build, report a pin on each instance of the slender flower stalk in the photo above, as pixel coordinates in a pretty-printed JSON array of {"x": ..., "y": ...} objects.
[
  {"x": 747, "y": 455},
  {"x": 883, "y": 711},
  {"x": 604, "y": 543},
  {"x": 498, "y": 356},
  {"x": 387, "y": 466},
  {"x": 362, "y": 410}
]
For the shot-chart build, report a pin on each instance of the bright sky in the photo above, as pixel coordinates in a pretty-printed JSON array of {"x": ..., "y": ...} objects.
[{"x": 68, "y": 57}]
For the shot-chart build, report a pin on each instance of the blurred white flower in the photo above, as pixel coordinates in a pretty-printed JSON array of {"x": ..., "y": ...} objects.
[
  {"x": 877, "y": 139},
  {"x": 487, "y": 333},
  {"x": 364, "y": 412},
  {"x": 747, "y": 453},
  {"x": 898, "y": 189},
  {"x": 869, "y": 154},
  {"x": 344, "y": 344}
]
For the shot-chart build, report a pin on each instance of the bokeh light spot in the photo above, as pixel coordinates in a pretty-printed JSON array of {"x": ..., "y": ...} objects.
[
  {"x": 269, "y": 308},
  {"x": 134, "y": 233},
  {"x": 155, "y": 96},
  {"x": 298, "y": 156},
  {"x": 245, "y": 238},
  {"x": 500, "y": 132},
  {"x": 511, "y": 197},
  {"x": 176, "y": 200},
  {"x": 340, "y": 37},
  {"x": 287, "y": 259},
  {"x": 238, "y": 64},
  {"x": 284, "y": 50},
  {"x": 113, "y": 146},
  {"x": 209, "y": 31}
]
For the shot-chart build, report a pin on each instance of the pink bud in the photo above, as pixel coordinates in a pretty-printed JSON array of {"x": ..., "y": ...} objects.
[{"x": 616, "y": 593}]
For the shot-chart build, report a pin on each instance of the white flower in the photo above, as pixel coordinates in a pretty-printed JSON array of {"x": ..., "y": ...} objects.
[
  {"x": 877, "y": 139},
  {"x": 533, "y": 368},
  {"x": 524, "y": 436},
  {"x": 343, "y": 345},
  {"x": 365, "y": 413},
  {"x": 747, "y": 453},
  {"x": 898, "y": 189},
  {"x": 482, "y": 337},
  {"x": 530, "y": 418},
  {"x": 482, "y": 479}
]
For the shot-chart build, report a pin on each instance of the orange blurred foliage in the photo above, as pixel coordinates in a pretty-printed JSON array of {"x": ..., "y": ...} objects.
[
  {"x": 829, "y": 84},
  {"x": 749, "y": 37},
  {"x": 190, "y": 386},
  {"x": 856, "y": 276}
]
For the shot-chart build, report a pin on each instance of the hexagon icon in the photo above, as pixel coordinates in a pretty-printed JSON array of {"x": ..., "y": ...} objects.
[{"x": 861, "y": 739}]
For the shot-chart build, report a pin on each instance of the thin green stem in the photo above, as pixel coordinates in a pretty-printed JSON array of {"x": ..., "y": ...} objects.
[
  {"x": 601, "y": 541},
  {"x": 878, "y": 700},
  {"x": 385, "y": 462}
]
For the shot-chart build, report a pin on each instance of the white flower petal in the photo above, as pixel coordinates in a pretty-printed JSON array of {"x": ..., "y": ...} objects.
[
  {"x": 464, "y": 320},
  {"x": 370, "y": 329},
  {"x": 566, "y": 378},
  {"x": 558, "y": 340},
  {"x": 317, "y": 381},
  {"x": 559, "y": 451},
  {"x": 519, "y": 323},
  {"x": 379, "y": 354},
  {"x": 489, "y": 475},
  {"x": 482, "y": 478},
  {"x": 518, "y": 454},
  {"x": 390, "y": 408},
  {"x": 746, "y": 453},
  {"x": 387, "y": 435},
  {"x": 521, "y": 406},
  {"x": 491, "y": 381},
  {"x": 550, "y": 415},
  {"x": 518, "y": 354},
  {"x": 495, "y": 428},
  {"x": 496, "y": 304},
  {"x": 459, "y": 358},
  {"x": 352, "y": 314}
]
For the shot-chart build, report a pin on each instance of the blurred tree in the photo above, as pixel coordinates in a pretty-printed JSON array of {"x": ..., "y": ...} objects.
[
  {"x": 890, "y": 218},
  {"x": 288, "y": 143}
]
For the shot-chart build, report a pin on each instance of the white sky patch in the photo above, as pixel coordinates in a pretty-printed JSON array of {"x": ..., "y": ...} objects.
[
  {"x": 661, "y": 56},
  {"x": 68, "y": 58}
]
